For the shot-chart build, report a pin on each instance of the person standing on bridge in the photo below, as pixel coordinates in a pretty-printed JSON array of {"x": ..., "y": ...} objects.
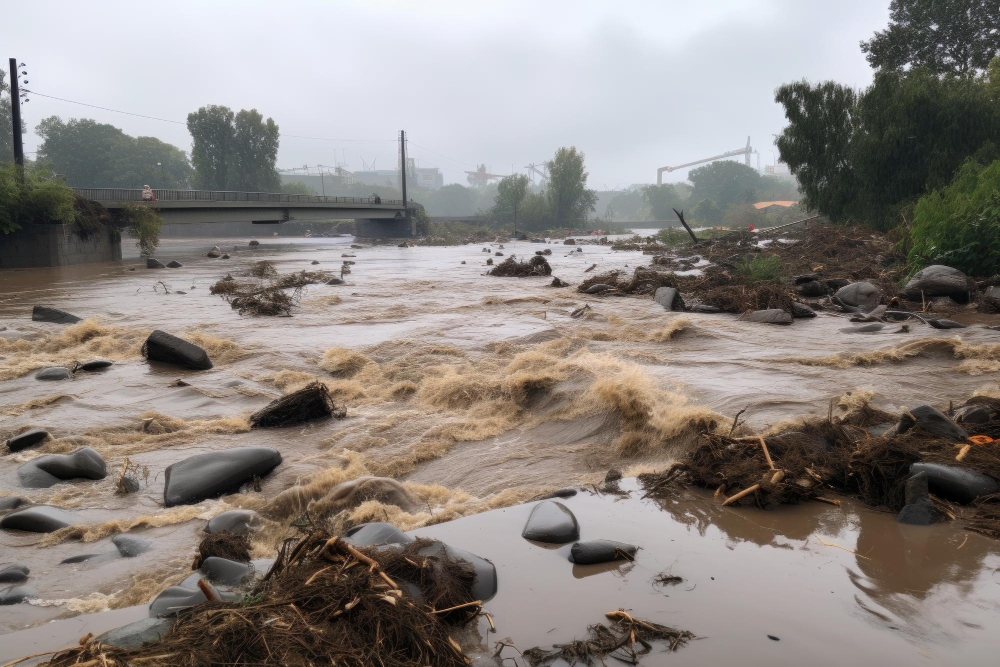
[{"x": 147, "y": 194}]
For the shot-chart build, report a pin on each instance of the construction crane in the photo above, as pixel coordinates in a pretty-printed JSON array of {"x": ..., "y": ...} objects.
[
  {"x": 480, "y": 178},
  {"x": 534, "y": 169},
  {"x": 746, "y": 152}
]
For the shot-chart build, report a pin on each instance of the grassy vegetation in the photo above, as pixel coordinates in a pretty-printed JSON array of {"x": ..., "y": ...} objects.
[{"x": 760, "y": 268}]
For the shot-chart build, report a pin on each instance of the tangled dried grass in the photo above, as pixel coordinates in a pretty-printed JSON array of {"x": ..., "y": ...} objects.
[
  {"x": 257, "y": 298},
  {"x": 510, "y": 267},
  {"x": 311, "y": 402},
  {"x": 225, "y": 545},
  {"x": 323, "y": 602},
  {"x": 262, "y": 269}
]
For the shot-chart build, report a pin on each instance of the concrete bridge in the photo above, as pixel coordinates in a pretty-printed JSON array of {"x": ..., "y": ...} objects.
[{"x": 376, "y": 217}]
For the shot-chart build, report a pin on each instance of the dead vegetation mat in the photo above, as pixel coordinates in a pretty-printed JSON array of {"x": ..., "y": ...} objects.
[
  {"x": 268, "y": 295},
  {"x": 311, "y": 402},
  {"x": 510, "y": 267},
  {"x": 323, "y": 602}
]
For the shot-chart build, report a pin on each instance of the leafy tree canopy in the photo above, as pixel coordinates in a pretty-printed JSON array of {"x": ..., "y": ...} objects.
[
  {"x": 510, "y": 197},
  {"x": 943, "y": 36},
  {"x": 234, "y": 151},
  {"x": 568, "y": 196},
  {"x": 662, "y": 200}
]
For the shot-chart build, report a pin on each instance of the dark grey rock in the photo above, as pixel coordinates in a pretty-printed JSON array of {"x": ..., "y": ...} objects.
[
  {"x": 705, "y": 308},
  {"x": 37, "y": 519},
  {"x": 802, "y": 311},
  {"x": 130, "y": 484},
  {"x": 224, "y": 571},
  {"x": 812, "y": 289},
  {"x": 43, "y": 472},
  {"x": 917, "y": 487},
  {"x": 551, "y": 522},
  {"x": 806, "y": 278},
  {"x": 600, "y": 551},
  {"x": 334, "y": 281},
  {"x": 669, "y": 298},
  {"x": 152, "y": 263},
  {"x": 861, "y": 295},
  {"x": 49, "y": 314},
  {"x": 174, "y": 264},
  {"x": 946, "y": 324},
  {"x": 559, "y": 493},
  {"x": 138, "y": 634},
  {"x": 82, "y": 558},
  {"x": 597, "y": 288},
  {"x": 498, "y": 254},
  {"x": 54, "y": 373},
  {"x": 569, "y": 242},
  {"x": 225, "y": 255},
  {"x": 130, "y": 546},
  {"x": 956, "y": 484},
  {"x": 920, "y": 513},
  {"x": 974, "y": 414},
  {"x": 867, "y": 328},
  {"x": 12, "y": 573},
  {"x": 175, "y": 598},
  {"x": 254, "y": 243},
  {"x": 27, "y": 439},
  {"x": 16, "y": 595},
  {"x": 769, "y": 316},
  {"x": 238, "y": 522},
  {"x": 11, "y": 502},
  {"x": 938, "y": 280},
  {"x": 836, "y": 283},
  {"x": 314, "y": 262},
  {"x": 484, "y": 586},
  {"x": 161, "y": 346},
  {"x": 95, "y": 365},
  {"x": 369, "y": 534},
  {"x": 933, "y": 421},
  {"x": 210, "y": 475}
]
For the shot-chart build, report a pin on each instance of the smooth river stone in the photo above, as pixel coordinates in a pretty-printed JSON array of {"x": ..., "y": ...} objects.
[
  {"x": 27, "y": 439},
  {"x": 668, "y": 297},
  {"x": 551, "y": 522},
  {"x": 161, "y": 346},
  {"x": 370, "y": 534},
  {"x": 16, "y": 595},
  {"x": 769, "y": 316},
  {"x": 130, "y": 546},
  {"x": 213, "y": 474},
  {"x": 860, "y": 295},
  {"x": 37, "y": 519},
  {"x": 933, "y": 421},
  {"x": 484, "y": 586},
  {"x": 11, "y": 502},
  {"x": 11, "y": 573},
  {"x": 600, "y": 551},
  {"x": 224, "y": 571},
  {"x": 956, "y": 484},
  {"x": 237, "y": 522},
  {"x": 54, "y": 373},
  {"x": 138, "y": 634},
  {"x": 45, "y": 471},
  {"x": 175, "y": 598},
  {"x": 49, "y": 314},
  {"x": 95, "y": 365}
]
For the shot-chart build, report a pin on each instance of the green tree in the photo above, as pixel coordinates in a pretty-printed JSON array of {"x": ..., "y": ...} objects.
[
  {"x": 944, "y": 36},
  {"x": 706, "y": 212},
  {"x": 629, "y": 205},
  {"x": 91, "y": 154},
  {"x": 510, "y": 198},
  {"x": 662, "y": 200},
  {"x": 212, "y": 133},
  {"x": 39, "y": 199},
  {"x": 725, "y": 182},
  {"x": 569, "y": 198},
  {"x": 255, "y": 147},
  {"x": 296, "y": 188}
]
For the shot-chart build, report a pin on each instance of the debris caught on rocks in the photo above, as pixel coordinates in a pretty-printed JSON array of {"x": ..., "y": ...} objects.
[
  {"x": 311, "y": 402},
  {"x": 510, "y": 267},
  {"x": 228, "y": 545},
  {"x": 324, "y": 601},
  {"x": 167, "y": 348},
  {"x": 49, "y": 314}
]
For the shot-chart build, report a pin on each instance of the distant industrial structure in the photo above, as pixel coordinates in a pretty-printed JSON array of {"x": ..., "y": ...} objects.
[
  {"x": 331, "y": 180},
  {"x": 747, "y": 152}
]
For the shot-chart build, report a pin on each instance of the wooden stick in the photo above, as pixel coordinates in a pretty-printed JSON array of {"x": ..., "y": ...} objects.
[
  {"x": 777, "y": 476},
  {"x": 963, "y": 452},
  {"x": 767, "y": 454},
  {"x": 745, "y": 492},
  {"x": 316, "y": 574},
  {"x": 207, "y": 590},
  {"x": 718, "y": 491},
  {"x": 829, "y": 501},
  {"x": 474, "y": 603}
]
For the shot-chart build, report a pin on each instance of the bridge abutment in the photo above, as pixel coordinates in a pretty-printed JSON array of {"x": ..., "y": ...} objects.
[
  {"x": 56, "y": 245},
  {"x": 396, "y": 228}
]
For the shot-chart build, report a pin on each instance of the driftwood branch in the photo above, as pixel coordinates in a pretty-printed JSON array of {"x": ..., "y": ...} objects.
[{"x": 680, "y": 216}]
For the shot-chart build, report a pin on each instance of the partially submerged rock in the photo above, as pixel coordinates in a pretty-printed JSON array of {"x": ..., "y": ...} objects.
[
  {"x": 370, "y": 534},
  {"x": 43, "y": 472},
  {"x": 50, "y": 314},
  {"x": 161, "y": 346},
  {"x": 54, "y": 374},
  {"x": 130, "y": 546},
  {"x": 238, "y": 522},
  {"x": 705, "y": 308},
  {"x": 215, "y": 252},
  {"x": 669, "y": 298},
  {"x": 931, "y": 420},
  {"x": 956, "y": 484},
  {"x": 768, "y": 316},
  {"x": 874, "y": 327},
  {"x": 174, "y": 264},
  {"x": 919, "y": 509},
  {"x": 597, "y": 288},
  {"x": 802, "y": 311},
  {"x": 967, "y": 414},
  {"x": 860, "y": 295},
  {"x": 153, "y": 263},
  {"x": 215, "y": 473},
  {"x": 938, "y": 280},
  {"x": 37, "y": 519},
  {"x": 551, "y": 522},
  {"x": 556, "y": 282},
  {"x": 945, "y": 324},
  {"x": 95, "y": 365},
  {"x": 601, "y": 551},
  {"x": 137, "y": 634},
  {"x": 484, "y": 585},
  {"x": 8, "y": 503},
  {"x": 224, "y": 571},
  {"x": 176, "y": 598},
  {"x": 11, "y": 573},
  {"x": 27, "y": 439},
  {"x": 16, "y": 595}
]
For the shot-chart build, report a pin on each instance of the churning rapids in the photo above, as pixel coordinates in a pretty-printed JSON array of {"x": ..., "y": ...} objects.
[{"x": 479, "y": 393}]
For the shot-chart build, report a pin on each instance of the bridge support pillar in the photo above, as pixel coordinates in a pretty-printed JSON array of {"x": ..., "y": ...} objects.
[{"x": 387, "y": 228}]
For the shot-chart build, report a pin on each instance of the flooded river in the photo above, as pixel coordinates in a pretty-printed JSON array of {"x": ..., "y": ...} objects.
[{"x": 480, "y": 393}]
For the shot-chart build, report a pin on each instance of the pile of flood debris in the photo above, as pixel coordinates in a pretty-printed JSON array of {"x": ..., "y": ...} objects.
[
  {"x": 925, "y": 467},
  {"x": 510, "y": 267},
  {"x": 323, "y": 601},
  {"x": 262, "y": 291}
]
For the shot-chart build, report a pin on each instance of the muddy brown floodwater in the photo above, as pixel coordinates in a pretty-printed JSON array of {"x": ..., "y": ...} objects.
[{"x": 480, "y": 393}]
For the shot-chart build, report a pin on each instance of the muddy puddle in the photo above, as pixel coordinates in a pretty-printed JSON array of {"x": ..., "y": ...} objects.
[{"x": 480, "y": 393}]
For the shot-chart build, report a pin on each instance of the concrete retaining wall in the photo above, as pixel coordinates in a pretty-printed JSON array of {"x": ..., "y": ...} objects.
[{"x": 55, "y": 245}]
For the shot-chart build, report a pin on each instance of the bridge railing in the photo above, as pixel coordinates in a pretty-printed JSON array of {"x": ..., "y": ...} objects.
[{"x": 126, "y": 194}]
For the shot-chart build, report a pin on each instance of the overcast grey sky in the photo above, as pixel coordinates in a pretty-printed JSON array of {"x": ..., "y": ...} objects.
[{"x": 635, "y": 85}]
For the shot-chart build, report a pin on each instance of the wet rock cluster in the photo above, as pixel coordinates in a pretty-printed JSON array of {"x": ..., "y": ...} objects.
[{"x": 551, "y": 522}]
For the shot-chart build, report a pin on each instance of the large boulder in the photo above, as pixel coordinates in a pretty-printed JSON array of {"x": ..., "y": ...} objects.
[
  {"x": 175, "y": 598},
  {"x": 769, "y": 316},
  {"x": 37, "y": 519},
  {"x": 161, "y": 346},
  {"x": 484, "y": 586},
  {"x": 224, "y": 571},
  {"x": 931, "y": 420},
  {"x": 49, "y": 314},
  {"x": 138, "y": 634},
  {"x": 802, "y": 311},
  {"x": 860, "y": 295},
  {"x": 669, "y": 298},
  {"x": 237, "y": 522},
  {"x": 938, "y": 280},
  {"x": 43, "y": 472},
  {"x": 153, "y": 263},
  {"x": 600, "y": 551},
  {"x": 209, "y": 475},
  {"x": 54, "y": 373},
  {"x": 27, "y": 439},
  {"x": 956, "y": 484},
  {"x": 11, "y": 573},
  {"x": 967, "y": 414},
  {"x": 919, "y": 509},
  {"x": 551, "y": 522}
]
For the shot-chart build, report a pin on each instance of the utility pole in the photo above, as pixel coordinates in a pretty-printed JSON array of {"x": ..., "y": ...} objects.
[
  {"x": 402, "y": 163},
  {"x": 15, "y": 107}
]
